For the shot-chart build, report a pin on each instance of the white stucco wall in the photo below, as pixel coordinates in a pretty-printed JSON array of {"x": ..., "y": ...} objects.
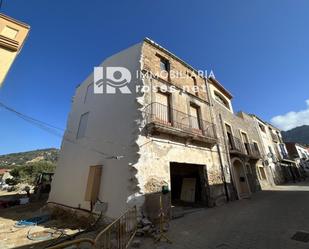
[
  {"x": 302, "y": 152},
  {"x": 213, "y": 90},
  {"x": 111, "y": 129}
]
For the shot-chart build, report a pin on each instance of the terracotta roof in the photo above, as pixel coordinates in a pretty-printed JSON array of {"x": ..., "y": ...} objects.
[{"x": 2, "y": 171}]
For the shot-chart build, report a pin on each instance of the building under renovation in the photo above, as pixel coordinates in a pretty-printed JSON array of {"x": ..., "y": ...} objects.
[{"x": 124, "y": 142}]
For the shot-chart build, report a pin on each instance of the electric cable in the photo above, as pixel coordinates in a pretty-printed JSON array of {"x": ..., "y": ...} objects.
[
  {"x": 42, "y": 125},
  {"x": 54, "y": 130}
]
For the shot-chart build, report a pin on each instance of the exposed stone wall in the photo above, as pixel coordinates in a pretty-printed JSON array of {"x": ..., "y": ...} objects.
[
  {"x": 153, "y": 167},
  {"x": 151, "y": 63},
  {"x": 156, "y": 153}
]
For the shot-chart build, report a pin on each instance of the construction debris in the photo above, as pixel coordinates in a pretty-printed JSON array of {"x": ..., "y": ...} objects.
[{"x": 146, "y": 228}]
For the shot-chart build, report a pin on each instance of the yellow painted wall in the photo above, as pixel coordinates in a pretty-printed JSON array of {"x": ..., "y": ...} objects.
[{"x": 12, "y": 36}]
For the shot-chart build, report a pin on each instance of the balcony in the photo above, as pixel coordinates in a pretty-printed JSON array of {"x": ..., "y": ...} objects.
[
  {"x": 255, "y": 152},
  {"x": 160, "y": 118},
  {"x": 237, "y": 147},
  {"x": 282, "y": 155}
]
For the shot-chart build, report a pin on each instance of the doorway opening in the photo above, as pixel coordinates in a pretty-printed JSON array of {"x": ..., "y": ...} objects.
[
  {"x": 188, "y": 185},
  {"x": 241, "y": 179}
]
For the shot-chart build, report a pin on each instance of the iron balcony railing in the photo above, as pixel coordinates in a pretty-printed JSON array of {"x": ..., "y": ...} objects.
[
  {"x": 254, "y": 150},
  {"x": 237, "y": 146},
  {"x": 169, "y": 117}
]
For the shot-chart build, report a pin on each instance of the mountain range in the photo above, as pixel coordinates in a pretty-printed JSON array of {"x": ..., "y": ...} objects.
[
  {"x": 299, "y": 135},
  {"x": 22, "y": 158}
]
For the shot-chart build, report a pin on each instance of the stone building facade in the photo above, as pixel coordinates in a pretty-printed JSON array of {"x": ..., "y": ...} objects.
[
  {"x": 300, "y": 154},
  {"x": 276, "y": 156},
  {"x": 179, "y": 131},
  {"x": 239, "y": 143}
]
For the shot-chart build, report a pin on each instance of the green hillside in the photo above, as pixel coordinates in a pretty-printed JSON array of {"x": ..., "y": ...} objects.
[
  {"x": 23, "y": 158},
  {"x": 298, "y": 135}
]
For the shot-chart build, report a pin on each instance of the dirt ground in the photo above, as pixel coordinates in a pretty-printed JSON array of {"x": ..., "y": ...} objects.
[{"x": 12, "y": 237}]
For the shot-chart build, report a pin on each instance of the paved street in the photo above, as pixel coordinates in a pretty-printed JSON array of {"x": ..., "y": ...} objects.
[{"x": 266, "y": 221}]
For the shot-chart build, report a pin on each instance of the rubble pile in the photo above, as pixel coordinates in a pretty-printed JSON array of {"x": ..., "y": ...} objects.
[{"x": 146, "y": 228}]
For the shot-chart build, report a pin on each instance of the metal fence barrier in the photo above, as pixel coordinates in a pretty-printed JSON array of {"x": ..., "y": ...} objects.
[{"x": 117, "y": 235}]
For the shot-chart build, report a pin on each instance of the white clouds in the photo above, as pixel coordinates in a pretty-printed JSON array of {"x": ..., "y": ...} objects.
[{"x": 292, "y": 119}]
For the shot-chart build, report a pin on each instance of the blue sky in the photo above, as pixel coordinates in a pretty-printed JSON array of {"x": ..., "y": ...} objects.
[{"x": 258, "y": 50}]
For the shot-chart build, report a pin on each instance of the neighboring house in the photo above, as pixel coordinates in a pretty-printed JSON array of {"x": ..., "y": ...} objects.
[
  {"x": 4, "y": 174},
  {"x": 276, "y": 157},
  {"x": 13, "y": 34},
  {"x": 239, "y": 144},
  {"x": 300, "y": 154},
  {"x": 160, "y": 138}
]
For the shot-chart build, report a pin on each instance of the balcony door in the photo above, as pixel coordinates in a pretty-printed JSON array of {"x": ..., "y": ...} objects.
[
  {"x": 195, "y": 117},
  {"x": 229, "y": 136},
  {"x": 161, "y": 109},
  {"x": 246, "y": 142}
]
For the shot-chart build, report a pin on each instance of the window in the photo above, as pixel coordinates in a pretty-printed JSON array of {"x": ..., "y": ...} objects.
[
  {"x": 283, "y": 151},
  {"x": 246, "y": 142},
  {"x": 196, "y": 88},
  {"x": 164, "y": 64},
  {"x": 304, "y": 156},
  {"x": 262, "y": 172},
  {"x": 162, "y": 109},
  {"x": 229, "y": 136},
  {"x": 82, "y": 125},
  {"x": 262, "y": 128},
  {"x": 271, "y": 153},
  {"x": 256, "y": 147},
  {"x": 195, "y": 116},
  {"x": 270, "y": 150},
  {"x": 222, "y": 100},
  {"x": 279, "y": 136}
]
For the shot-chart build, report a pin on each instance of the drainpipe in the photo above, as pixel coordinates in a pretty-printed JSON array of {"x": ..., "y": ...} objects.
[
  {"x": 227, "y": 155},
  {"x": 223, "y": 175},
  {"x": 218, "y": 147}
]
